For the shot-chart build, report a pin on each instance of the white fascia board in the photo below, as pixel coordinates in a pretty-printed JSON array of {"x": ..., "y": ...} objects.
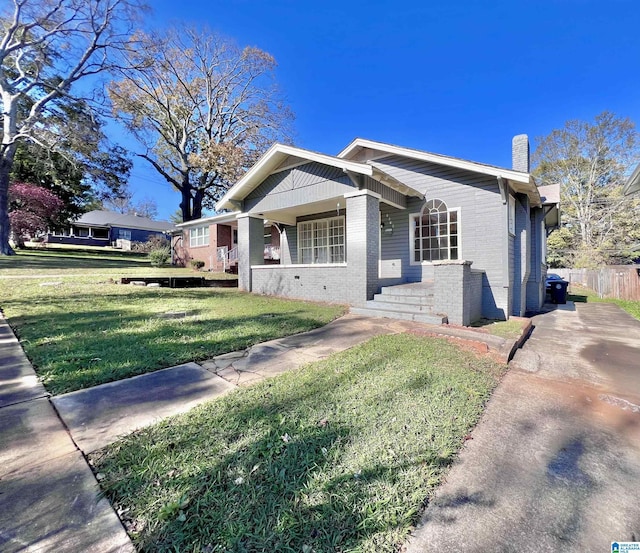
[
  {"x": 515, "y": 176},
  {"x": 270, "y": 161},
  {"x": 633, "y": 184},
  {"x": 220, "y": 218}
]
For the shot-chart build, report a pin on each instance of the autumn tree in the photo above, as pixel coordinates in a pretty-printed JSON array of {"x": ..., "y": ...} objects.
[
  {"x": 48, "y": 47},
  {"x": 32, "y": 210},
  {"x": 202, "y": 109},
  {"x": 591, "y": 162}
]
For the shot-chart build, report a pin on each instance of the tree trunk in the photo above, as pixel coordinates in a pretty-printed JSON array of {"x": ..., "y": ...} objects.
[
  {"x": 196, "y": 210},
  {"x": 185, "y": 203},
  {"x": 5, "y": 229}
]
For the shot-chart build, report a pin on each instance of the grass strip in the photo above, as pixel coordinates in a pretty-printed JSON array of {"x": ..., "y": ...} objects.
[{"x": 340, "y": 455}]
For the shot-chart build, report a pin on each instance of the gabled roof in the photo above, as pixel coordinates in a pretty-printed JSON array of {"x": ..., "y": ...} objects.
[
  {"x": 359, "y": 144},
  {"x": 272, "y": 159},
  {"x": 105, "y": 218}
]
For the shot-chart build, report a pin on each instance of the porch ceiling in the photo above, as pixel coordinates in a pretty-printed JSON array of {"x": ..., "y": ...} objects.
[{"x": 288, "y": 216}]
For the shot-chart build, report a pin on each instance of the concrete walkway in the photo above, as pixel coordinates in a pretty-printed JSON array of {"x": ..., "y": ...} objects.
[
  {"x": 554, "y": 464},
  {"x": 48, "y": 496}
]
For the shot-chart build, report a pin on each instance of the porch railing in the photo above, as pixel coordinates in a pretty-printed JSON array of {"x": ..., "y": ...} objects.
[
  {"x": 227, "y": 256},
  {"x": 272, "y": 252}
]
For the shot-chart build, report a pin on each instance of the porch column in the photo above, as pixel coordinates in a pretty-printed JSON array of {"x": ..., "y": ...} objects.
[
  {"x": 363, "y": 235},
  {"x": 250, "y": 247}
]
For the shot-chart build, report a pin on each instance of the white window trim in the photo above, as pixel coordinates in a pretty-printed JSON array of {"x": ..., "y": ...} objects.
[
  {"x": 191, "y": 237},
  {"x": 412, "y": 252},
  {"x": 327, "y": 219}
]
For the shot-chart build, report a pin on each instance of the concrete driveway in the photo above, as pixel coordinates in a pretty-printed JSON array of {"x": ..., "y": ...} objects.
[{"x": 554, "y": 465}]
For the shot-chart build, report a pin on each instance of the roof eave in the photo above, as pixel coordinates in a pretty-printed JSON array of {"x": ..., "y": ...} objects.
[{"x": 510, "y": 174}]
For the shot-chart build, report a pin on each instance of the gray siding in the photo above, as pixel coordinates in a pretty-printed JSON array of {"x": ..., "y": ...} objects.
[
  {"x": 482, "y": 223},
  {"x": 522, "y": 256},
  {"x": 535, "y": 285},
  {"x": 301, "y": 185}
]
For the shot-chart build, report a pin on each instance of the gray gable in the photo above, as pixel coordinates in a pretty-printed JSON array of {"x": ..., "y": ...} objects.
[{"x": 303, "y": 176}]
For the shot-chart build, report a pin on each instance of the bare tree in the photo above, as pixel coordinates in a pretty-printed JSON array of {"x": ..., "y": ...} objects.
[
  {"x": 591, "y": 162},
  {"x": 203, "y": 110},
  {"x": 123, "y": 203},
  {"x": 46, "y": 47}
]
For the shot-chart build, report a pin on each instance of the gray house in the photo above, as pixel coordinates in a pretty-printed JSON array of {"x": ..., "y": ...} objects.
[{"x": 396, "y": 232}]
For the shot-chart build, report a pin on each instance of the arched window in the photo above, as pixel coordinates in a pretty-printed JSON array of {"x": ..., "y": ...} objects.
[{"x": 435, "y": 234}]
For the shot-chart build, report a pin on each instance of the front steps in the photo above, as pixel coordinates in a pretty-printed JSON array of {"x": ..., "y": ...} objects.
[{"x": 408, "y": 302}]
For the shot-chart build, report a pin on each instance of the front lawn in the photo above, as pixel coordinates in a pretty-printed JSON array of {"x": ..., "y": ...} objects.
[
  {"x": 60, "y": 262},
  {"x": 79, "y": 332},
  {"x": 338, "y": 456}
]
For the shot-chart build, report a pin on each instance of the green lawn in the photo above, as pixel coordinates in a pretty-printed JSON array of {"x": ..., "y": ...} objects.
[
  {"x": 582, "y": 294},
  {"x": 85, "y": 331},
  {"x": 509, "y": 330},
  {"x": 338, "y": 456},
  {"x": 87, "y": 262}
]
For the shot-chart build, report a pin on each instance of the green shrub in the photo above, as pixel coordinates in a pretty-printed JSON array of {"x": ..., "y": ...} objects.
[
  {"x": 159, "y": 257},
  {"x": 196, "y": 264}
]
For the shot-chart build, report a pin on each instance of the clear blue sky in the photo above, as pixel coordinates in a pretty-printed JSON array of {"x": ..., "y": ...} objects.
[{"x": 457, "y": 77}]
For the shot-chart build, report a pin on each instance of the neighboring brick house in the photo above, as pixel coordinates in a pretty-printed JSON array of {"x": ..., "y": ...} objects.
[
  {"x": 109, "y": 228},
  {"x": 214, "y": 240},
  {"x": 394, "y": 231}
]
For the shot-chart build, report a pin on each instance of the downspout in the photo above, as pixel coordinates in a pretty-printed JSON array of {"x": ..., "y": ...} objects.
[{"x": 504, "y": 194}]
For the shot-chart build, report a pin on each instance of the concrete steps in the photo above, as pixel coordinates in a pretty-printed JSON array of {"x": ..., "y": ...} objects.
[{"x": 408, "y": 302}]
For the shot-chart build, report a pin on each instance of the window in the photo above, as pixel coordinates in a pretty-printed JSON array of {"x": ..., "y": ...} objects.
[
  {"x": 102, "y": 233},
  {"x": 124, "y": 234},
  {"x": 321, "y": 241},
  {"x": 81, "y": 232},
  {"x": 199, "y": 236},
  {"x": 435, "y": 233}
]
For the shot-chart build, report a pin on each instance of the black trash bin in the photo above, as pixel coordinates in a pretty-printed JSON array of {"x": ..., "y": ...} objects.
[{"x": 559, "y": 291}]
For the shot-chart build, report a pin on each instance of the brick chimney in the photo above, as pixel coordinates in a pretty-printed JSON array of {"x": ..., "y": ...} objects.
[{"x": 520, "y": 153}]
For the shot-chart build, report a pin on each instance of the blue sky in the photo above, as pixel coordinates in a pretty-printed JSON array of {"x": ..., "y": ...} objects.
[{"x": 452, "y": 77}]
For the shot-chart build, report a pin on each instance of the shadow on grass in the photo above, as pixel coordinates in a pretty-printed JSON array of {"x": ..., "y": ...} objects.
[
  {"x": 265, "y": 476},
  {"x": 74, "y": 347}
]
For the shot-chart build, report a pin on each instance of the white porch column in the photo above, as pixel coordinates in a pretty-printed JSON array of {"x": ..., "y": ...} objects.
[
  {"x": 250, "y": 247},
  {"x": 362, "y": 227}
]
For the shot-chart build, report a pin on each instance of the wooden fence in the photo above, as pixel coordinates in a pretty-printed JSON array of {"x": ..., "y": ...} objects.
[{"x": 614, "y": 281}]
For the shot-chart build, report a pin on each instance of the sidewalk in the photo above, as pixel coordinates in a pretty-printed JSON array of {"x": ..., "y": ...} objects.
[{"x": 48, "y": 496}]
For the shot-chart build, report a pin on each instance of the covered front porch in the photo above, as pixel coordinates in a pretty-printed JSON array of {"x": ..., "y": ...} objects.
[{"x": 329, "y": 250}]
